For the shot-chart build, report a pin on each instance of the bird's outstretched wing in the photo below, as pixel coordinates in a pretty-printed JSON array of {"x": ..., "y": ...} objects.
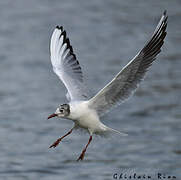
[
  {"x": 66, "y": 66},
  {"x": 127, "y": 80}
]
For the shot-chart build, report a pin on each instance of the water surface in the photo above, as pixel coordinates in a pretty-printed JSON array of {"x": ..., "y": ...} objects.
[{"x": 105, "y": 36}]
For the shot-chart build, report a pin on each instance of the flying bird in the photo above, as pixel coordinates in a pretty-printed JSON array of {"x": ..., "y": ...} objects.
[{"x": 86, "y": 111}]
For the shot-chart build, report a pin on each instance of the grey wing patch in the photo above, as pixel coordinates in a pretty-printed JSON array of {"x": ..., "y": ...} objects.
[{"x": 127, "y": 80}]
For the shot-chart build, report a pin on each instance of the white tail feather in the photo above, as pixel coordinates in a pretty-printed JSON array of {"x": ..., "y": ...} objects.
[
  {"x": 108, "y": 131},
  {"x": 114, "y": 130}
]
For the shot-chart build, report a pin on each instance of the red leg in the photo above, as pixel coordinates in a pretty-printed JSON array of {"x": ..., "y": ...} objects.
[
  {"x": 81, "y": 157},
  {"x": 58, "y": 140}
]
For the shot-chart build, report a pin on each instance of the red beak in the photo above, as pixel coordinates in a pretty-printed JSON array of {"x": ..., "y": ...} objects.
[{"x": 52, "y": 115}]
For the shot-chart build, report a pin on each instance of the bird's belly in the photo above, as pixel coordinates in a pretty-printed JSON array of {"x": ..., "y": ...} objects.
[
  {"x": 88, "y": 122},
  {"x": 84, "y": 117}
]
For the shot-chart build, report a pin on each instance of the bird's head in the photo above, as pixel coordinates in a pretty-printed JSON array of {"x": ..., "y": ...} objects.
[{"x": 62, "y": 111}]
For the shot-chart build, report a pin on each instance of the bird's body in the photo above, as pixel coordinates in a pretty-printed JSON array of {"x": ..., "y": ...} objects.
[
  {"x": 86, "y": 111},
  {"x": 84, "y": 117},
  {"x": 87, "y": 118}
]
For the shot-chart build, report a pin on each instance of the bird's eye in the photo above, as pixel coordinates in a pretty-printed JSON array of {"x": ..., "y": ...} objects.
[{"x": 61, "y": 110}]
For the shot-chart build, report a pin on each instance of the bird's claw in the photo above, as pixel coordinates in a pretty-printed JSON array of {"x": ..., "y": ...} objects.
[
  {"x": 55, "y": 144},
  {"x": 81, "y": 157}
]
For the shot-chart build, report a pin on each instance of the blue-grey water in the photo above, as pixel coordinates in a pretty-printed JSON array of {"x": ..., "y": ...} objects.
[{"x": 105, "y": 36}]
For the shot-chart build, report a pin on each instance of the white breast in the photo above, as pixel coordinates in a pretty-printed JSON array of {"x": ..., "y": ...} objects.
[{"x": 84, "y": 116}]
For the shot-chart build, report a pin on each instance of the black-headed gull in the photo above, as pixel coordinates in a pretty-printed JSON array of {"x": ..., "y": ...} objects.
[{"x": 85, "y": 112}]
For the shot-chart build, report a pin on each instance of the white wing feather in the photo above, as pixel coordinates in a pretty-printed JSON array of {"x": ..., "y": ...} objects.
[
  {"x": 66, "y": 66},
  {"x": 127, "y": 80}
]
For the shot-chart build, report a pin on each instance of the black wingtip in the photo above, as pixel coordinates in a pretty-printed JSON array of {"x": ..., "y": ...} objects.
[
  {"x": 165, "y": 12},
  {"x": 59, "y": 27},
  {"x": 68, "y": 45},
  {"x": 64, "y": 35}
]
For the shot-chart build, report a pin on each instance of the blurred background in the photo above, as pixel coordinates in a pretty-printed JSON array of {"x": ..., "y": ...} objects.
[{"x": 105, "y": 35}]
